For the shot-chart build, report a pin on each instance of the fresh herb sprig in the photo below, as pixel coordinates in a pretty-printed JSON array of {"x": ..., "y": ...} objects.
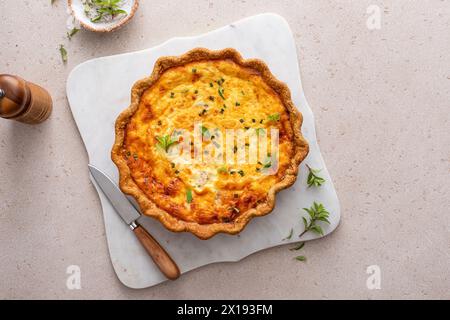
[
  {"x": 63, "y": 53},
  {"x": 317, "y": 213},
  {"x": 106, "y": 8},
  {"x": 313, "y": 178},
  {"x": 165, "y": 142}
]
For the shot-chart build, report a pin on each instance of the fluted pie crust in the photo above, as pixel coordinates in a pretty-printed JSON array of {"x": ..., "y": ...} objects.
[{"x": 160, "y": 201}]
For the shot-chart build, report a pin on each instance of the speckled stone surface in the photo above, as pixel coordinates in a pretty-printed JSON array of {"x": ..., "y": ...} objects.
[{"x": 381, "y": 102}]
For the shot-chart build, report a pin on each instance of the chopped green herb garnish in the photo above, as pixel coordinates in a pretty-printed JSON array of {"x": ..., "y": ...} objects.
[
  {"x": 165, "y": 142},
  {"x": 205, "y": 132},
  {"x": 211, "y": 84},
  {"x": 211, "y": 98},
  {"x": 260, "y": 131},
  {"x": 172, "y": 94},
  {"x": 194, "y": 70},
  {"x": 221, "y": 93},
  {"x": 188, "y": 195},
  {"x": 289, "y": 236},
  {"x": 300, "y": 258},
  {"x": 196, "y": 91},
  {"x": 222, "y": 170},
  {"x": 298, "y": 247},
  {"x": 63, "y": 53},
  {"x": 237, "y": 104},
  {"x": 241, "y": 120},
  {"x": 135, "y": 156},
  {"x": 313, "y": 178},
  {"x": 241, "y": 173},
  {"x": 274, "y": 117},
  {"x": 72, "y": 32}
]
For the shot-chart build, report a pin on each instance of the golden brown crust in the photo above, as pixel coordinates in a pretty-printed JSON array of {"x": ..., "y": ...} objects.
[{"x": 205, "y": 231}]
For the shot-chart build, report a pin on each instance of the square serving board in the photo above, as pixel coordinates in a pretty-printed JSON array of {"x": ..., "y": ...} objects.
[{"x": 99, "y": 89}]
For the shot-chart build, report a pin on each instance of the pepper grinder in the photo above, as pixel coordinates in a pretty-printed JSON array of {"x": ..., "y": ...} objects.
[{"x": 23, "y": 101}]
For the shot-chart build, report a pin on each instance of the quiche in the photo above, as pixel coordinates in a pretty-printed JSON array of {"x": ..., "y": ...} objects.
[{"x": 208, "y": 141}]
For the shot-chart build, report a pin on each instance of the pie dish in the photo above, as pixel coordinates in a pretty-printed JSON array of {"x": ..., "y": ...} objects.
[{"x": 194, "y": 103}]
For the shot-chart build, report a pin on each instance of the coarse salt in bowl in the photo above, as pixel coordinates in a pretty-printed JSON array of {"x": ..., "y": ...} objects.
[{"x": 85, "y": 12}]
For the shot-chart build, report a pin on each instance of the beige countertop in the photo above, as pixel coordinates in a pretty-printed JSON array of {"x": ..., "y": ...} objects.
[{"x": 381, "y": 99}]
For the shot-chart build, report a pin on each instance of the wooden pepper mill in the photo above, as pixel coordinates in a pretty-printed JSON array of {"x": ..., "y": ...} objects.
[{"x": 23, "y": 101}]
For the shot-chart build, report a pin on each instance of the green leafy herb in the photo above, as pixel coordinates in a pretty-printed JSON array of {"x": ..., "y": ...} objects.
[
  {"x": 237, "y": 104},
  {"x": 205, "y": 132},
  {"x": 63, "y": 53},
  {"x": 165, "y": 142},
  {"x": 222, "y": 170},
  {"x": 274, "y": 117},
  {"x": 107, "y": 8},
  {"x": 211, "y": 84},
  {"x": 268, "y": 164},
  {"x": 221, "y": 93},
  {"x": 72, "y": 32},
  {"x": 260, "y": 131},
  {"x": 135, "y": 156},
  {"x": 241, "y": 173},
  {"x": 194, "y": 70},
  {"x": 300, "y": 258},
  {"x": 289, "y": 236},
  {"x": 313, "y": 178},
  {"x": 298, "y": 247},
  {"x": 317, "y": 213},
  {"x": 172, "y": 95},
  {"x": 188, "y": 195}
]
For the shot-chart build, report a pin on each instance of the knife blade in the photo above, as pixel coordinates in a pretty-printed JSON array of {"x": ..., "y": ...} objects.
[
  {"x": 118, "y": 200},
  {"x": 129, "y": 214}
]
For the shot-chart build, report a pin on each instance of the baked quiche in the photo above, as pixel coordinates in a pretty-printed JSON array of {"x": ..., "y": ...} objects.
[{"x": 208, "y": 141}]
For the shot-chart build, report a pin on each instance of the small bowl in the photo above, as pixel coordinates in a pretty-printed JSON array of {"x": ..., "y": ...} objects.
[{"x": 76, "y": 8}]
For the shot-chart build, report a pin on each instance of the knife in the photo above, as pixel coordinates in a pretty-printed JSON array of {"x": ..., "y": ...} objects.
[{"x": 130, "y": 215}]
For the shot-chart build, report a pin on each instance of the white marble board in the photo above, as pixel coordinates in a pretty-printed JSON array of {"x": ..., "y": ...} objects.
[{"x": 99, "y": 89}]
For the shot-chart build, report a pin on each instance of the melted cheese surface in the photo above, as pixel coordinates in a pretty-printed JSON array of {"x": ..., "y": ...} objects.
[{"x": 220, "y": 95}]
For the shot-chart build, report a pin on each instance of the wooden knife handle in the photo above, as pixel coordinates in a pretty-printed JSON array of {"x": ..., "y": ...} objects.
[{"x": 157, "y": 253}]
